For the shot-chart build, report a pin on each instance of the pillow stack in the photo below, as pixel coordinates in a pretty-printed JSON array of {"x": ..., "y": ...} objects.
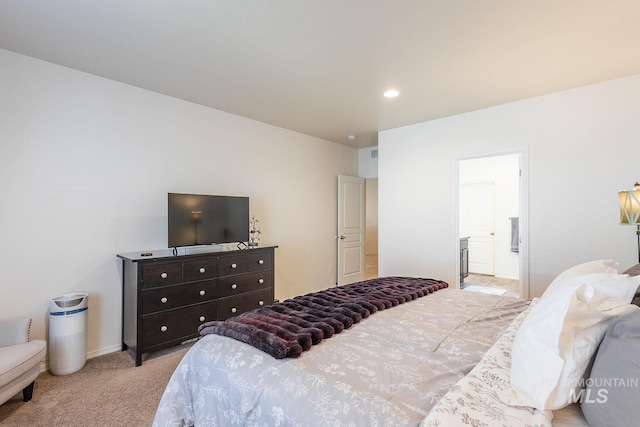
[{"x": 557, "y": 341}]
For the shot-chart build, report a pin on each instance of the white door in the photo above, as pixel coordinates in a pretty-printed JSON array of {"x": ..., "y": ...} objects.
[
  {"x": 351, "y": 229},
  {"x": 477, "y": 211}
]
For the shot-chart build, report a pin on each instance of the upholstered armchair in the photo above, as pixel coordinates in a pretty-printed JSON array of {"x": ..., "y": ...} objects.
[{"x": 19, "y": 358}]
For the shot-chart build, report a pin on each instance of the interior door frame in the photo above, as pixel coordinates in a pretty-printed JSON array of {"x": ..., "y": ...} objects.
[{"x": 523, "y": 258}]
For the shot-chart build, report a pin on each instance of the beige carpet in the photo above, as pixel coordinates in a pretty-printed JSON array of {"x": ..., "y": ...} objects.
[{"x": 108, "y": 391}]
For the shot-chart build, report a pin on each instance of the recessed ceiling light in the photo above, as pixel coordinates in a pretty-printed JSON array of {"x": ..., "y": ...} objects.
[
  {"x": 391, "y": 93},
  {"x": 352, "y": 137}
]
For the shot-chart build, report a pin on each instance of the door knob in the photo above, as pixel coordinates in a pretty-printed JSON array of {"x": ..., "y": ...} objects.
[{"x": 342, "y": 237}]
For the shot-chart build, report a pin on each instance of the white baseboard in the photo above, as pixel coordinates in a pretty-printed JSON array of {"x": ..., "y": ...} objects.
[{"x": 103, "y": 351}]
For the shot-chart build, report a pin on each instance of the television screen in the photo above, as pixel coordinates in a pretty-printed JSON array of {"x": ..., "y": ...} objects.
[{"x": 196, "y": 219}]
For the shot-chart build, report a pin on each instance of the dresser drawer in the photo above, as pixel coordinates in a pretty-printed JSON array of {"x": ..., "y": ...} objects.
[
  {"x": 161, "y": 274},
  {"x": 200, "y": 269},
  {"x": 176, "y": 325},
  {"x": 169, "y": 297},
  {"x": 235, "y": 285},
  {"x": 232, "y": 306},
  {"x": 245, "y": 262}
]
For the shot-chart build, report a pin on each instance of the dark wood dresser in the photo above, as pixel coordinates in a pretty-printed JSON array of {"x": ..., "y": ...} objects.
[{"x": 165, "y": 298}]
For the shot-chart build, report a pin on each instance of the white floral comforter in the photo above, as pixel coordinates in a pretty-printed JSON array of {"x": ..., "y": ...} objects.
[
  {"x": 473, "y": 401},
  {"x": 388, "y": 370}
]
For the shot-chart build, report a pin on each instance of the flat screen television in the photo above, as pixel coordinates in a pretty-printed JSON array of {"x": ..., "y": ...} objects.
[{"x": 197, "y": 219}]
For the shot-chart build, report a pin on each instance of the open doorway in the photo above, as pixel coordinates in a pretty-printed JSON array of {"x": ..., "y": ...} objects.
[
  {"x": 371, "y": 231},
  {"x": 489, "y": 219}
]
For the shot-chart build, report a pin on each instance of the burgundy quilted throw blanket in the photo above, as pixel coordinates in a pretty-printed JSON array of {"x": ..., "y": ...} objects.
[{"x": 286, "y": 329}]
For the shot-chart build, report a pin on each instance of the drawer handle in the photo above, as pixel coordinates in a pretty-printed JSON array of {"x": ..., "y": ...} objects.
[
  {"x": 164, "y": 275},
  {"x": 202, "y": 292},
  {"x": 163, "y": 300},
  {"x": 261, "y": 303},
  {"x": 261, "y": 281},
  {"x": 261, "y": 262},
  {"x": 234, "y": 265},
  {"x": 202, "y": 270},
  {"x": 163, "y": 328},
  {"x": 233, "y": 309},
  {"x": 202, "y": 318},
  {"x": 234, "y": 286}
]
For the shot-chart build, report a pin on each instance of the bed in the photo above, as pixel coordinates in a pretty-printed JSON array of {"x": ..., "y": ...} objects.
[{"x": 442, "y": 359}]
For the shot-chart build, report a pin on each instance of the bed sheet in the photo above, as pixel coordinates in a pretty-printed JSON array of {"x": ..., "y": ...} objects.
[
  {"x": 474, "y": 400},
  {"x": 390, "y": 369}
]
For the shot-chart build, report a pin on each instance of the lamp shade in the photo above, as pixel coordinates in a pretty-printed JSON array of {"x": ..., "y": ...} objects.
[{"x": 630, "y": 206}]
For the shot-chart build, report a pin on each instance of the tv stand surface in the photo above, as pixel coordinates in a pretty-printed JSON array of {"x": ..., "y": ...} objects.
[{"x": 166, "y": 297}]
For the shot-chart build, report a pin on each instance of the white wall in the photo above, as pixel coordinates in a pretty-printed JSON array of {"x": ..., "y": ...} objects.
[
  {"x": 368, "y": 162},
  {"x": 582, "y": 149},
  {"x": 86, "y": 164},
  {"x": 502, "y": 171}
]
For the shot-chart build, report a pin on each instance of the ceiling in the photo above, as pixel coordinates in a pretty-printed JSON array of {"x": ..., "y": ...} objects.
[{"x": 320, "y": 67}]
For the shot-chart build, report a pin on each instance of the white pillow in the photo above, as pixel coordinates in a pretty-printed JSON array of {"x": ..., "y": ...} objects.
[
  {"x": 559, "y": 337},
  {"x": 605, "y": 266}
]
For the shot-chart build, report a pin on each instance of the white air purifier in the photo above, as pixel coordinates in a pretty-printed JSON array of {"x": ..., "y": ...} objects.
[{"x": 68, "y": 333}]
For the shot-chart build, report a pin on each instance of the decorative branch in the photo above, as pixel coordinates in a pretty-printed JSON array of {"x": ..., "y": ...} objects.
[{"x": 254, "y": 231}]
